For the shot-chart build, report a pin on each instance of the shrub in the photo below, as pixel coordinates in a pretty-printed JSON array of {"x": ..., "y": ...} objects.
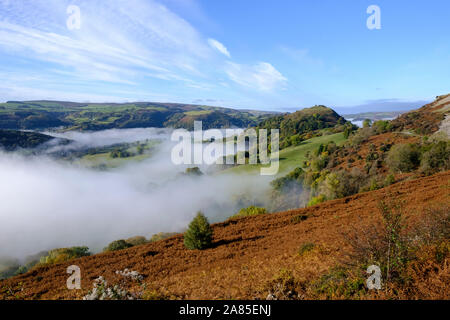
[
  {"x": 395, "y": 246},
  {"x": 436, "y": 158},
  {"x": 117, "y": 245},
  {"x": 382, "y": 126},
  {"x": 294, "y": 177},
  {"x": 283, "y": 286},
  {"x": 64, "y": 254},
  {"x": 250, "y": 211},
  {"x": 306, "y": 247},
  {"x": 360, "y": 136},
  {"x": 316, "y": 200},
  {"x": 338, "y": 282},
  {"x": 366, "y": 123},
  {"x": 199, "y": 233},
  {"x": 299, "y": 218},
  {"x": 403, "y": 158},
  {"x": 341, "y": 184},
  {"x": 195, "y": 171},
  {"x": 161, "y": 236},
  {"x": 137, "y": 240},
  {"x": 390, "y": 179}
]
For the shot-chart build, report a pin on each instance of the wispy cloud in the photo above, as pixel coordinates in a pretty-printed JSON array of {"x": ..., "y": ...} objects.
[
  {"x": 138, "y": 46},
  {"x": 219, "y": 47},
  {"x": 261, "y": 76},
  {"x": 119, "y": 41}
]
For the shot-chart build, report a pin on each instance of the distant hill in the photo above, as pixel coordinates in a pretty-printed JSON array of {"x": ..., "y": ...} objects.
[
  {"x": 98, "y": 116},
  {"x": 13, "y": 139},
  {"x": 373, "y": 116},
  {"x": 301, "y": 125}
]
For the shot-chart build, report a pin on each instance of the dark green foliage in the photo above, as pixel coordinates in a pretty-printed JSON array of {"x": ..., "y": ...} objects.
[
  {"x": 298, "y": 126},
  {"x": 117, "y": 245},
  {"x": 161, "y": 236},
  {"x": 11, "y": 139},
  {"x": 348, "y": 129},
  {"x": 339, "y": 282},
  {"x": 199, "y": 233},
  {"x": 382, "y": 126},
  {"x": 436, "y": 157},
  {"x": 366, "y": 123},
  {"x": 390, "y": 179},
  {"x": 120, "y": 153},
  {"x": 195, "y": 171},
  {"x": 64, "y": 254},
  {"x": 403, "y": 158},
  {"x": 250, "y": 211},
  {"x": 299, "y": 218},
  {"x": 137, "y": 240},
  {"x": 360, "y": 136},
  {"x": 316, "y": 200},
  {"x": 294, "y": 177}
]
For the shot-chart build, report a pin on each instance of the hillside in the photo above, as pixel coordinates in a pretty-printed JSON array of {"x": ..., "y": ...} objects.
[
  {"x": 291, "y": 156},
  {"x": 427, "y": 119},
  {"x": 252, "y": 255},
  {"x": 11, "y": 139},
  {"x": 301, "y": 125},
  {"x": 99, "y": 116}
]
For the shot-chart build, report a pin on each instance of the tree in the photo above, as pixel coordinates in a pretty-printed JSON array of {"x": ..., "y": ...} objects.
[
  {"x": 403, "y": 158},
  {"x": 199, "y": 233},
  {"x": 195, "y": 171},
  {"x": 367, "y": 123},
  {"x": 117, "y": 245},
  {"x": 436, "y": 158}
]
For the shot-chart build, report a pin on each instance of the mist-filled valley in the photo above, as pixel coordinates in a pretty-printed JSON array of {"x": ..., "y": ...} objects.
[{"x": 52, "y": 200}]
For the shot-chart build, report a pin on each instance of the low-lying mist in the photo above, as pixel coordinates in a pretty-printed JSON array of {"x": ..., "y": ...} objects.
[{"x": 47, "y": 203}]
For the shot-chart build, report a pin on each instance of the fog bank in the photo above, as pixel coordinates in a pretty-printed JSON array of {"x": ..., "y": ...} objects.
[{"x": 46, "y": 203}]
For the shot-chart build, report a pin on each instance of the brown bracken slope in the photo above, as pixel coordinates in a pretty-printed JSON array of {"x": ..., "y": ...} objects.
[
  {"x": 426, "y": 119},
  {"x": 247, "y": 252}
]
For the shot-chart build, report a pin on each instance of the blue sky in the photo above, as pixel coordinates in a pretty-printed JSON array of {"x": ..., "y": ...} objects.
[{"x": 265, "y": 54}]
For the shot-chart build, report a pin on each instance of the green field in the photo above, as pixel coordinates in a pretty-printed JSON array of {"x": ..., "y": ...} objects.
[
  {"x": 103, "y": 159},
  {"x": 291, "y": 157}
]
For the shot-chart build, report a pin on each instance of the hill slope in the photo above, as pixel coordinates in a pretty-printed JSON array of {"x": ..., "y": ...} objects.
[
  {"x": 427, "y": 119},
  {"x": 98, "y": 116},
  {"x": 251, "y": 253},
  {"x": 12, "y": 139},
  {"x": 301, "y": 125}
]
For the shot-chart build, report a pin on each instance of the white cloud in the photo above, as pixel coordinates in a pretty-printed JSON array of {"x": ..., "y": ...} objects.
[
  {"x": 262, "y": 76},
  {"x": 219, "y": 47},
  {"x": 118, "y": 41}
]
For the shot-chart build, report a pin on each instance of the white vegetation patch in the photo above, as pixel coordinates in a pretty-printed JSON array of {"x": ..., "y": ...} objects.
[
  {"x": 103, "y": 291},
  {"x": 445, "y": 126},
  {"x": 134, "y": 275}
]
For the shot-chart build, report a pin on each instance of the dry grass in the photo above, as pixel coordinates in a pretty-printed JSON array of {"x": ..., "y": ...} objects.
[{"x": 248, "y": 255}]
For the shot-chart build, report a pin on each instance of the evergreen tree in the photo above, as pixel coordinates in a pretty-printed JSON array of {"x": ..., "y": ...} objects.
[{"x": 199, "y": 233}]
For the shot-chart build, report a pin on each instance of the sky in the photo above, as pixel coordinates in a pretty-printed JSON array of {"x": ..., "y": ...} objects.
[{"x": 255, "y": 54}]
